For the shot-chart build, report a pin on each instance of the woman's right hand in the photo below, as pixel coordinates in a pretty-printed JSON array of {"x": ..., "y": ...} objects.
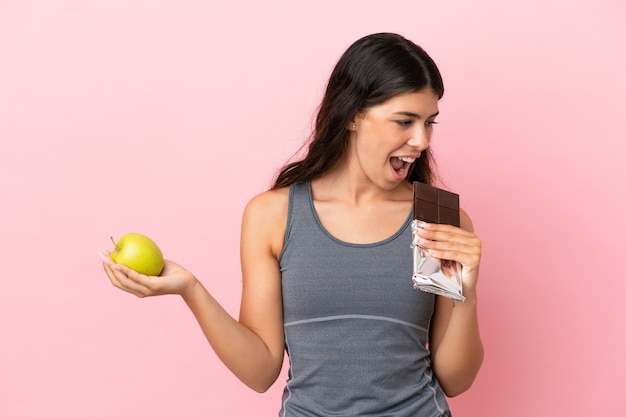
[{"x": 174, "y": 279}]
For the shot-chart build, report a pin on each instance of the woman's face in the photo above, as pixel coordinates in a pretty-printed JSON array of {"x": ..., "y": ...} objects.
[{"x": 389, "y": 137}]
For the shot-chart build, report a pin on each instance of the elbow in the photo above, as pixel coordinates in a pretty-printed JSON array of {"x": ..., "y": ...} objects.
[
  {"x": 260, "y": 383},
  {"x": 456, "y": 389},
  {"x": 454, "y": 383},
  {"x": 260, "y": 388},
  {"x": 259, "y": 375},
  {"x": 458, "y": 384}
]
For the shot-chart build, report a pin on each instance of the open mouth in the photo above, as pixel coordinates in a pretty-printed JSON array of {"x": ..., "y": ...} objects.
[{"x": 401, "y": 164}]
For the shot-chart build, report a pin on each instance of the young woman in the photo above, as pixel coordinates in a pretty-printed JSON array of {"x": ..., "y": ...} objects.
[{"x": 326, "y": 257}]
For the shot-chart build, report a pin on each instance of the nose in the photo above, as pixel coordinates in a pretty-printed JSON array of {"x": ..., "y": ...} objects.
[{"x": 419, "y": 139}]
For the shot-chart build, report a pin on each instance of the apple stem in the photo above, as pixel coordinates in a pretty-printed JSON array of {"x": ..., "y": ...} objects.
[{"x": 114, "y": 244}]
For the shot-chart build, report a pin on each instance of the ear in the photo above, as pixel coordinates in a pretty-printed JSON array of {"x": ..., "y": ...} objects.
[{"x": 353, "y": 124}]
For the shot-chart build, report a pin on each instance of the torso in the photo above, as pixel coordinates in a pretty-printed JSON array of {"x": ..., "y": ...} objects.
[{"x": 351, "y": 317}]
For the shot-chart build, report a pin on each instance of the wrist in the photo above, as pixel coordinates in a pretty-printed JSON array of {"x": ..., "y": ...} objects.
[
  {"x": 471, "y": 299},
  {"x": 191, "y": 289}
]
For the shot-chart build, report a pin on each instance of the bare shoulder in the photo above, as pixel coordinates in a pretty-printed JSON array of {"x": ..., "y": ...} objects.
[
  {"x": 269, "y": 201},
  {"x": 265, "y": 219},
  {"x": 466, "y": 221},
  {"x": 268, "y": 205}
]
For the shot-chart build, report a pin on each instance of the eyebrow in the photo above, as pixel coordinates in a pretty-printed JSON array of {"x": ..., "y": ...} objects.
[{"x": 414, "y": 115}]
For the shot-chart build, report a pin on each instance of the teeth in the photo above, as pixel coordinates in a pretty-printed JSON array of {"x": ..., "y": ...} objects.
[{"x": 407, "y": 159}]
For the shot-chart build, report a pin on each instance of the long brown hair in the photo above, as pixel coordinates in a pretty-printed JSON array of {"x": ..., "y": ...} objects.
[{"x": 372, "y": 70}]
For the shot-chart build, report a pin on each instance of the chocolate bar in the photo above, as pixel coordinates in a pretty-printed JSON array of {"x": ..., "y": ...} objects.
[{"x": 434, "y": 205}]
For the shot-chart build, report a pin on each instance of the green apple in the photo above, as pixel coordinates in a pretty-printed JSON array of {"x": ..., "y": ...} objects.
[{"x": 138, "y": 252}]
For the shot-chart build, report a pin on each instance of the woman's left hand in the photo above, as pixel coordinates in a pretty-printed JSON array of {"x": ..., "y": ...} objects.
[{"x": 443, "y": 241}]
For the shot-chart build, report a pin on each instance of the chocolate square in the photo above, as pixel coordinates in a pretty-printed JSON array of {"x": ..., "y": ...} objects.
[{"x": 434, "y": 205}]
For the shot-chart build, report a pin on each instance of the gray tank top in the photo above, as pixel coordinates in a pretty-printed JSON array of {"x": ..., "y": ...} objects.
[{"x": 355, "y": 329}]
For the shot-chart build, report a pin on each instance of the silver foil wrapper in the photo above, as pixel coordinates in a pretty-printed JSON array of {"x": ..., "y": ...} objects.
[{"x": 441, "y": 277}]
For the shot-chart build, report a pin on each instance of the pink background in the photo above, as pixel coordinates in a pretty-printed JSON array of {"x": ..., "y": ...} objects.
[{"x": 165, "y": 117}]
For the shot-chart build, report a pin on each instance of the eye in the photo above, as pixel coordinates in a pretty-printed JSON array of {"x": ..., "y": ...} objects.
[
  {"x": 405, "y": 123},
  {"x": 430, "y": 123}
]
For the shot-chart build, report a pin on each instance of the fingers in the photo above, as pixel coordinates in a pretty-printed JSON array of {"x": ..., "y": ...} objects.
[
  {"x": 125, "y": 278},
  {"x": 450, "y": 242},
  {"x": 445, "y": 242},
  {"x": 435, "y": 231}
]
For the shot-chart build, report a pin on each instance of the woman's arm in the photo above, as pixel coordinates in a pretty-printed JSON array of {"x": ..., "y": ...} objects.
[
  {"x": 253, "y": 346},
  {"x": 455, "y": 344},
  {"x": 257, "y": 357}
]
